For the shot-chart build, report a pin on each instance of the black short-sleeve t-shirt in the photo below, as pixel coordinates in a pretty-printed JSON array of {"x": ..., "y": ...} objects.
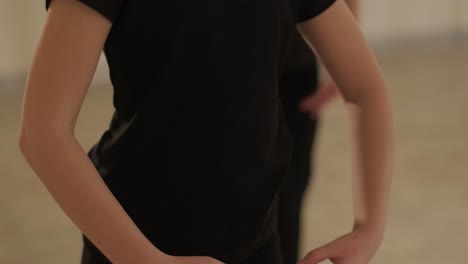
[{"x": 197, "y": 147}]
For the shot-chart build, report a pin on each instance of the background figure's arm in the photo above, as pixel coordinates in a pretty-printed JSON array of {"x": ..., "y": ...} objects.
[{"x": 338, "y": 41}]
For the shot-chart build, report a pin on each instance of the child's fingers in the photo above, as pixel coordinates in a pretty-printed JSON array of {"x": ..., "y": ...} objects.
[{"x": 316, "y": 256}]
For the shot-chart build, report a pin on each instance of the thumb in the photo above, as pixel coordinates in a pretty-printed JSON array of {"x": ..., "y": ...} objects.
[{"x": 316, "y": 256}]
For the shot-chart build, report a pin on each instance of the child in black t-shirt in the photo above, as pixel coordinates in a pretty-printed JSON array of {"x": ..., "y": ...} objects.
[{"x": 190, "y": 168}]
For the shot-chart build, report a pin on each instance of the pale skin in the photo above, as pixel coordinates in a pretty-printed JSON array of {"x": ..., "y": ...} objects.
[
  {"x": 64, "y": 63},
  {"x": 327, "y": 90}
]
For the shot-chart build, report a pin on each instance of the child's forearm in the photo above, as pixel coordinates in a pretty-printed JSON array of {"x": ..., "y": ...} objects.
[
  {"x": 71, "y": 178},
  {"x": 373, "y": 134}
]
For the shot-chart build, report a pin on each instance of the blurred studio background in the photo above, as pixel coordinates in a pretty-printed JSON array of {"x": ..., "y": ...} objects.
[{"x": 422, "y": 46}]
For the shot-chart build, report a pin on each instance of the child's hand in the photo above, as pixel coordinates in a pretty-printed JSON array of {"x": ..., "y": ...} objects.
[
  {"x": 313, "y": 103},
  {"x": 357, "y": 247}
]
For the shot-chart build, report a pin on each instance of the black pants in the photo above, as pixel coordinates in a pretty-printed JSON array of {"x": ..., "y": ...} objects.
[{"x": 294, "y": 87}]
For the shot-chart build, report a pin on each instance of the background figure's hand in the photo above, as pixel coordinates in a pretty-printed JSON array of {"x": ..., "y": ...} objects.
[
  {"x": 313, "y": 103},
  {"x": 190, "y": 260},
  {"x": 357, "y": 247}
]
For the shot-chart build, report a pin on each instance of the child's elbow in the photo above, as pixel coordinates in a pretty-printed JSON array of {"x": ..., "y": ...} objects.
[{"x": 35, "y": 136}]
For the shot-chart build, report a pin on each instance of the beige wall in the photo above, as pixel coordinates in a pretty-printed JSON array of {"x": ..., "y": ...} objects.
[
  {"x": 385, "y": 20},
  {"x": 20, "y": 26},
  {"x": 461, "y": 8},
  {"x": 20, "y": 22},
  {"x": 382, "y": 20}
]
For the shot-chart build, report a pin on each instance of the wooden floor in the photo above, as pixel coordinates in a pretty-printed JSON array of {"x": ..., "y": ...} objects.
[{"x": 428, "y": 221}]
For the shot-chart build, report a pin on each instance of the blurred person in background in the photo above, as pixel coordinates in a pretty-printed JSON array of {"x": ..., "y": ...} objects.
[
  {"x": 302, "y": 102},
  {"x": 190, "y": 168}
]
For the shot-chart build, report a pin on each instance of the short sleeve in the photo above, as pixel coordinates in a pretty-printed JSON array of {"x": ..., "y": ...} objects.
[
  {"x": 311, "y": 8},
  {"x": 108, "y": 8}
]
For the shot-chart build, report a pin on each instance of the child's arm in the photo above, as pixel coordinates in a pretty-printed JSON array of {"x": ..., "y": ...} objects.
[
  {"x": 327, "y": 89},
  {"x": 353, "y": 5},
  {"x": 337, "y": 39},
  {"x": 63, "y": 66}
]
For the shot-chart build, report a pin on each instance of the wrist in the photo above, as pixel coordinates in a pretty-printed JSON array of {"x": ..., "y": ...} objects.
[
  {"x": 151, "y": 255},
  {"x": 155, "y": 258},
  {"x": 376, "y": 229}
]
